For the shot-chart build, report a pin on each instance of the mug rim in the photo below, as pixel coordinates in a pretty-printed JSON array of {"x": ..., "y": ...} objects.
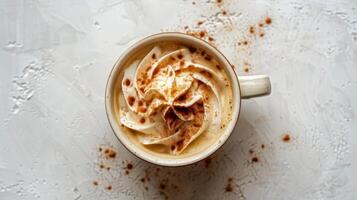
[{"x": 236, "y": 91}]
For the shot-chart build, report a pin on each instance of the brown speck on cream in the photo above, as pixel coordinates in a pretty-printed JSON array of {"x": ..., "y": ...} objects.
[
  {"x": 199, "y": 23},
  {"x": 180, "y": 56},
  {"x": 131, "y": 100},
  {"x": 182, "y": 63},
  {"x": 109, "y": 187},
  {"x": 192, "y": 49},
  {"x": 127, "y": 82},
  {"x": 245, "y": 42},
  {"x": 202, "y": 34},
  {"x": 95, "y": 183},
  {"x": 224, "y": 12},
  {"x": 142, "y": 120},
  {"x": 153, "y": 56},
  {"x": 261, "y": 34}
]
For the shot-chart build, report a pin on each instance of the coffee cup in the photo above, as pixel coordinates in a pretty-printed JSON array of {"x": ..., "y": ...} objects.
[{"x": 243, "y": 87}]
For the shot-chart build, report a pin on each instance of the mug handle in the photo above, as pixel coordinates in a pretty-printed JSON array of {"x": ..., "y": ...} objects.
[{"x": 254, "y": 86}]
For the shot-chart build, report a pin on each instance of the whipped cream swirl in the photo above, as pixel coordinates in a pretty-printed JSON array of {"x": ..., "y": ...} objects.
[{"x": 171, "y": 97}]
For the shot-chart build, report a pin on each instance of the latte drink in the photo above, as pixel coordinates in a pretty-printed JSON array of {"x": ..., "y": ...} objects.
[{"x": 173, "y": 100}]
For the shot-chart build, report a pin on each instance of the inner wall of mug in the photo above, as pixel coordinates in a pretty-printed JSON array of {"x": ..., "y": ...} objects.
[{"x": 127, "y": 57}]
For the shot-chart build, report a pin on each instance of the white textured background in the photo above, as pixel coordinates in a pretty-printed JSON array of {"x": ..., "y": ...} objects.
[{"x": 55, "y": 57}]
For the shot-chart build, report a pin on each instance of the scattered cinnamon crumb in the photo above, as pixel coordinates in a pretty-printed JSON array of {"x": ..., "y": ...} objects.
[
  {"x": 108, "y": 168},
  {"x": 251, "y": 151},
  {"x": 224, "y": 12},
  {"x": 129, "y": 166},
  {"x": 263, "y": 146},
  {"x": 286, "y": 137},
  {"x": 95, "y": 183},
  {"x": 110, "y": 153},
  {"x": 229, "y": 186},
  {"x": 261, "y": 34},
  {"x": 255, "y": 159},
  {"x": 109, "y": 187},
  {"x": 210, "y": 39},
  {"x": 186, "y": 27},
  {"x": 199, "y": 23},
  {"x": 218, "y": 67},
  {"x": 142, "y": 179},
  {"x": 219, "y": 1},
  {"x": 202, "y": 34},
  {"x": 260, "y": 24},
  {"x": 251, "y": 30},
  {"x": 245, "y": 42},
  {"x": 246, "y": 69},
  {"x": 146, "y": 188},
  {"x": 180, "y": 56},
  {"x": 100, "y": 149},
  {"x": 268, "y": 20},
  {"x": 101, "y": 166},
  {"x": 239, "y": 43},
  {"x": 153, "y": 56},
  {"x": 126, "y": 172},
  {"x": 193, "y": 3}
]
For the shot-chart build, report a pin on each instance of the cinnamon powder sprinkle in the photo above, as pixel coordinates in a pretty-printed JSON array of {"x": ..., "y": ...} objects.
[
  {"x": 109, "y": 187},
  {"x": 286, "y": 138},
  {"x": 255, "y": 159},
  {"x": 199, "y": 23},
  {"x": 127, "y": 82},
  {"x": 110, "y": 153},
  {"x": 261, "y": 34},
  {"x": 251, "y": 30},
  {"x": 268, "y": 20},
  {"x": 210, "y": 39},
  {"x": 229, "y": 186},
  {"x": 95, "y": 183},
  {"x": 131, "y": 100},
  {"x": 129, "y": 166},
  {"x": 142, "y": 120}
]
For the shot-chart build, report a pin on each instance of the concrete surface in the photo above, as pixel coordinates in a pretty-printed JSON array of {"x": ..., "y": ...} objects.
[{"x": 55, "y": 57}]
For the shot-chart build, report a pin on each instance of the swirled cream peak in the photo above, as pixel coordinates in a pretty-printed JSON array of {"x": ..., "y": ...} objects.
[{"x": 171, "y": 97}]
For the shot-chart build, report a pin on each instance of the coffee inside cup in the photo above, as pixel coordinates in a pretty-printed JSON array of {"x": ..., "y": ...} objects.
[{"x": 172, "y": 99}]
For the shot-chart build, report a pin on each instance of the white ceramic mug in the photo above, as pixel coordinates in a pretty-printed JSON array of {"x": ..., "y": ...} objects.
[{"x": 243, "y": 87}]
